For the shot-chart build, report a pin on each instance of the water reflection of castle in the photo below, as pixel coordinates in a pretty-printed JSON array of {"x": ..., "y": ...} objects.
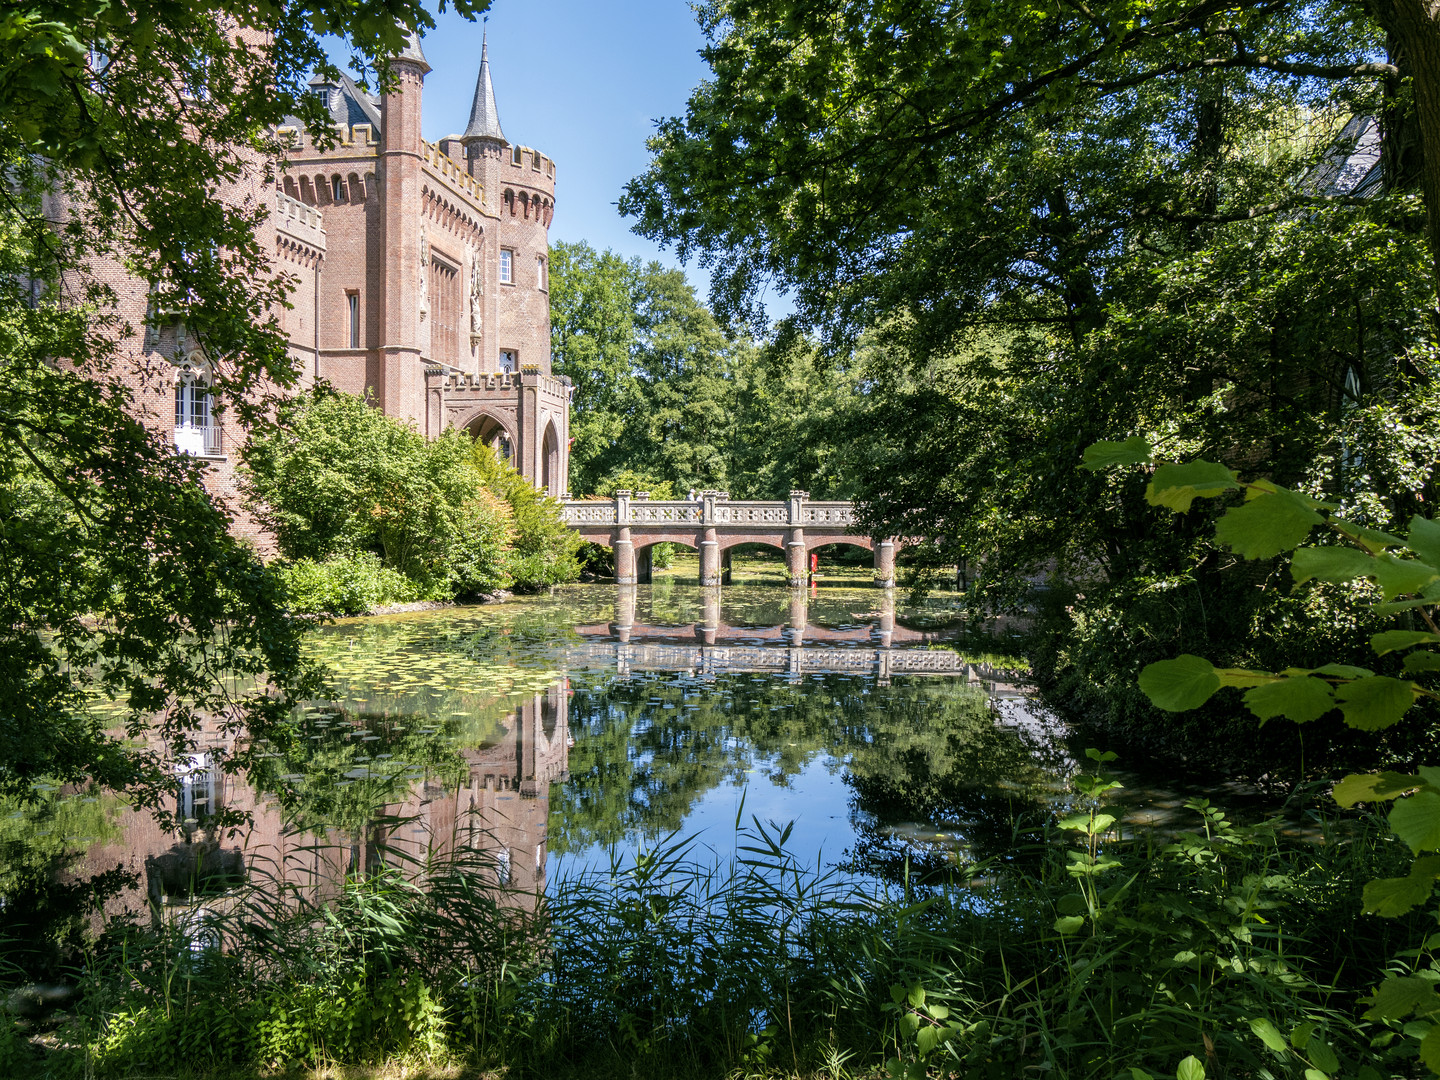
[
  {"x": 500, "y": 808},
  {"x": 499, "y": 812}
]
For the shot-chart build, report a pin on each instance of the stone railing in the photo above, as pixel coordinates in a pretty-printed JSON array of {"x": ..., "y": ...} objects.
[{"x": 708, "y": 508}]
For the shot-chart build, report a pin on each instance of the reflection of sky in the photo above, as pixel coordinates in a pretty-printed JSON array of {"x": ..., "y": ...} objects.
[{"x": 815, "y": 799}]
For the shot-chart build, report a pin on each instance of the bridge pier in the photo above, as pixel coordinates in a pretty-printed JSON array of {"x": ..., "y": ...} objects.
[
  {"x": 709, "y": 616},
  {"x": 884, "y": 630},
  {"x": 709, "y": 558},
  {"x": 799, "y": 617},
  {"x": 885, "y": 564},
  {"x": 797, "y": 562},
  {"x": 624, "y": 613},
  {"x": 624, "y": 549}
]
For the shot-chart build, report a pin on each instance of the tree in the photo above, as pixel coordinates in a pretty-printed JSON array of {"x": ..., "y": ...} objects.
[
  {"x": 856, "y": 152},
  {"x": 654, "y": 373},
  {"x": 336, "y": 478},
  {"x": 591, "y": 338},
  {"x": 130, "y": 133},
  {"x": 1047, "y": 226},
  {"x": 543, "y": 549}
]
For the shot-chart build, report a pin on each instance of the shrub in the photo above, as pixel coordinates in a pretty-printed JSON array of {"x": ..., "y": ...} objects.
[
  {"x": 339, "y": 478},
  {"x": 544, "y": 550},
  {"x": 343, "y": 585}
]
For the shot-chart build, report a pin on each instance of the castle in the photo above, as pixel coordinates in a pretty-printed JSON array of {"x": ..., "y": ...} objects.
[{"x": 421, "y": 276}]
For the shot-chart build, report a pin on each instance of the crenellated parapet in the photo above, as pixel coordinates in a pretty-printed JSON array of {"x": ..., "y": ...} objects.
[{"x": 442, "y": 166}]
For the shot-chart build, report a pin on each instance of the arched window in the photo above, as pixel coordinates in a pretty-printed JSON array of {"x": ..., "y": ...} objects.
[
  {"x": 196, "y": 430},
  {"x": 502, "y": 446},
  {"x": 337, "y": 189}
]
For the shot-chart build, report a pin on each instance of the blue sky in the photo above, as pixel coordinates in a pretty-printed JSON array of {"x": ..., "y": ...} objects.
[{"x": 584, "y": 83}]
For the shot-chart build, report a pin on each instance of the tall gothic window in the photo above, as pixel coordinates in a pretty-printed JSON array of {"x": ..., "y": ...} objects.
[
  {"x": 353, "y": 301},
  {"x": 196, "y": 429}
]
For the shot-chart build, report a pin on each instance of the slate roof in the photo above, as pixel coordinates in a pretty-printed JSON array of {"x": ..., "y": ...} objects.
[{"x": 484, "y": 117}]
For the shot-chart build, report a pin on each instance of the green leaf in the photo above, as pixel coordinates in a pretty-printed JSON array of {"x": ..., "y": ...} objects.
[
  {"x": 1133, "y": 451},
  {"x": 1391, "y": 897},
  {"x": 1416, "y": 820},
  {"x": 925, "y": 1040},
  {"x": 1268, "y": 1034},
  {"x": 1190, "y": 1069},
  {"x": 1401, "y": 995},
  {"x": 1300, "y": 1036},
  {"x": 1267, "y": 524},
  {"x": 1418, "y": 662},
  {"x": 1394, "y": 640},
  {"x": 1425, "y": 539},
  {"x": 1185, "y": 682},
  {"x": 1320, "y": 1054},
  {"x": 1430, "y": 1049},
  {"x": 1069, "y": 924},
  {"x": 1339, "y": 671},
  {"x": 1401, "y": 605},
  {"x": 1375, "y": 702},
  {"x": 1177, "y": 486},
  {"x": 1373, "y": 787},
  {"x": 1300, "y": 699},
  {"x": 1242, "y": 678},
  {"x": 1332, "y": 564},
  {"x": 1315, "y": 1074},
  {"x": 1397, "y": 577},
  {"x": 1372, "y": 540}
]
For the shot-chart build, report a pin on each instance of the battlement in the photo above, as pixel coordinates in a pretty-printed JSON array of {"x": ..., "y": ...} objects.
[
  {"x": 361, "y": 138},
  {"x": 531, "y": 161},
  {"x": 293, "y": 212},
  {"x": 442, "y": 164}
]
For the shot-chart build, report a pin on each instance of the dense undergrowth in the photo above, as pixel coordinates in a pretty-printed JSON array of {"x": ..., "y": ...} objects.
[{"x": 1093, "y": 951}]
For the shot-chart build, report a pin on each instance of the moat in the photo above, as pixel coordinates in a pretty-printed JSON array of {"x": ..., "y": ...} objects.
[{"x": 556, "y": 733}]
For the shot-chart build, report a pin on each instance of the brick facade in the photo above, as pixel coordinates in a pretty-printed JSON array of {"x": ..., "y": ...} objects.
[
  {"x": 432, "y": 291},
  {"x": 399, "y": 251}
]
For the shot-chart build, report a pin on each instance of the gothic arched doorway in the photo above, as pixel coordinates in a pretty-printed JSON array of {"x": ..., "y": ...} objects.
[{"x": 550, "y": 461}]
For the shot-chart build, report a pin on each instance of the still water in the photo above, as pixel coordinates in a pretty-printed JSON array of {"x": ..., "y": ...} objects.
[{"x": 559, "y": 732}]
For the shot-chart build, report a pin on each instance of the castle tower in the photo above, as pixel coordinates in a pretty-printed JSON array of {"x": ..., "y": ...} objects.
[
  {"x": 400, "y": 386},
  {"x": 519, "y": 185}
]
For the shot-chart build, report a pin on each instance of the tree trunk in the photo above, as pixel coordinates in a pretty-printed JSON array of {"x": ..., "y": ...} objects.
[{"x": 1415, "y": 28}]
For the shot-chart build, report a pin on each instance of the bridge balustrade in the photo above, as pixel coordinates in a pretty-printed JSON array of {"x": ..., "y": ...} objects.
[{"x": 714, "y": 524}]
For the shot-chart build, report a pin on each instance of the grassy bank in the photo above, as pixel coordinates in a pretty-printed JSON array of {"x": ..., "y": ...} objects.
[{"x": 1077, "y": 955}]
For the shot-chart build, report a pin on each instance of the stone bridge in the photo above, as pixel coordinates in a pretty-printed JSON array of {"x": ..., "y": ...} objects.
[{"x": 630, "y": 524}]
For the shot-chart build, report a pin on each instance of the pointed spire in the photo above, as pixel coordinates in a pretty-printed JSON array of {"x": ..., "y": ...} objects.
[
  {"x": 484, "y": 117},
  {"x": 412, "y": 51}
]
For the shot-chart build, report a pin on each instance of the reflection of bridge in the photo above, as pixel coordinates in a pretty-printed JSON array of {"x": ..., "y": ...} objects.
[
  {"x": 791, "y": 660},
  {"x": 711, "y": 646},
  {"x": 631, "y": 524}
]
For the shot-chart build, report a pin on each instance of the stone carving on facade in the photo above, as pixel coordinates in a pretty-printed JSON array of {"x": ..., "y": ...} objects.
[
  {"x": 477, "y": 318},
  {"x": 424, "y": 273}
]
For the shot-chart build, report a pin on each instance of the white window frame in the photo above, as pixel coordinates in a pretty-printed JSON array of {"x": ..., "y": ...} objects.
[
  {"x": 197, "y": 431},
  {"x": 542, "y": 273},
  {"x": 507, "y": 266},
  {"x": 509, "y": 359}
]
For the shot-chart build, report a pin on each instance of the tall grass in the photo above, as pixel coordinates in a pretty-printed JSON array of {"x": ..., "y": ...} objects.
[{"x": 1095, "y": 957}]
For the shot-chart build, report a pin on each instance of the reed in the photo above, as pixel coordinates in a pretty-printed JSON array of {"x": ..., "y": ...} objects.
[{"x": 1098, "y": 954}]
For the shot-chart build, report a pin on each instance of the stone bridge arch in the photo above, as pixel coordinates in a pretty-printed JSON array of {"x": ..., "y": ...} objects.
[{"x": 631, "y": 525}]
